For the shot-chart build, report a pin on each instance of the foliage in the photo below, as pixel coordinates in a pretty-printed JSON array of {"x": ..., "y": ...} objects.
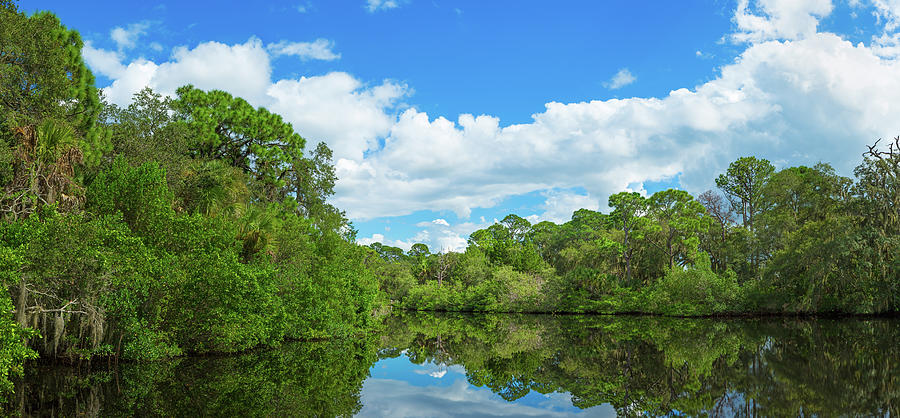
[
  {"x": 171, "y": 226},
  {"x": 43, "y": 77},
  {"x": 694, "y": 291},
  {"x": 808, "y": 241},
  {"x": 13, "y": 351}
]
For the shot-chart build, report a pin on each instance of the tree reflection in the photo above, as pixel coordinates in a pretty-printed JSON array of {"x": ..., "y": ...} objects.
[
  {"x": 641, "y": 365},
  {"x": 296, "y": 379}
]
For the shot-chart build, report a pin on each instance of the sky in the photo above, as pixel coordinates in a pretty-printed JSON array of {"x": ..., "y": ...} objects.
[{"x": 445, "y": 116}]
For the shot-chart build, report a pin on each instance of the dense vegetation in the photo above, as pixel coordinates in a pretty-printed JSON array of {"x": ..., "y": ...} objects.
[
  {"x": 190, "y": 224},
  {"x": 796, "y": 240},
  {"x": 198, "y": 223}
]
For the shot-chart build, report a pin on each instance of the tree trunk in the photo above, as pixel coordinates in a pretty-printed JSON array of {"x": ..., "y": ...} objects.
[{"x": 20, "y": 306}]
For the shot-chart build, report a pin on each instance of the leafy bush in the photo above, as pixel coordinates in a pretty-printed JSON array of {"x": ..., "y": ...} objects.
[
  {"x": 13, "y": 351},
  {"x": 694, "y": 291}
]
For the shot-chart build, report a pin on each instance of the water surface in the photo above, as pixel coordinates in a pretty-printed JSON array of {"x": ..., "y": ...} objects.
[{"x": 511, "y": 365}]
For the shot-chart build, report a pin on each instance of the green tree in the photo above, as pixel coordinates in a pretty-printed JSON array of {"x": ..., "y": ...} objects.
[
  {"x": 311, "y": 180},
  {"x": 44, "y": 171},
  {"x": 679, "y": 219},
  {"x": 252, "y": 139},
  {"x": 43, "y": 77},
  {"x": 628, "y": 212},
  {"x": 717, "y": 235},
  {"x": 743, "y": 184},
  {"x": 147, "y": 130}
]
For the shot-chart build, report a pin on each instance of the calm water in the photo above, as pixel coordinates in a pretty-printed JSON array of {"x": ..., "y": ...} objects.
[{"x": 511, "y": 365}]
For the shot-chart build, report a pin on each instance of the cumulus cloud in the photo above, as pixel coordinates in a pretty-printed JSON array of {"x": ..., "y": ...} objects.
[
  {"x": 337, "y": 108},
  {"x": 242, "y": 69},
  {"x": 320, "y": 49},
  {"x": 126, "y": 38},
  {"x": 105, "y": 62},
  {"x": 439, "y": 235},
  {"x": 621, "y": 79},
  {"x": 815, "y": 99},
  {"x": 561, "y": 204},
  {"x": 778, "y": 19},
  {"x": 887, "y": 12},
  {"x": 794, "y": 96}
]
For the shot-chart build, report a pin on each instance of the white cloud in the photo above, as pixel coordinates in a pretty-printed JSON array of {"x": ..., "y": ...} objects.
[
  {"x": 242, "y": 69},
  {"x": 375, "y": 5},
  {"x": 371, "y": 240},
  {"x": 621, "y": 79},
  {"x": 339, "y": 109},
  {"x": 560, "y": 205},
  {"x": 815, "y": 97},
  {"x": 439, "y": 370},
  {"x": 778, "y": 19},
  {"x": 105, "y": 62},
  {"x": 126, "y": 38},
  {"x": 887, "y": 12},
  {"x": 439, "y": 235},
  {"x": 320, "y": 49},
  {"x": 304, "y": 7}
]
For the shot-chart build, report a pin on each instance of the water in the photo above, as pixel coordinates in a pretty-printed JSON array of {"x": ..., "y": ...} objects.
[{"x": 511, "y": 365}]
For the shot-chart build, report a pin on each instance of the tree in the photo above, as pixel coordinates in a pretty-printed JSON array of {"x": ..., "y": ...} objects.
[
  {"x": 879, "y": 187},
  {"x": 629, "y": 208},
  {"x": 718, "y": 209},
  {"x": 742, "y": 183},
  {"x": 796, "y": 196},
  {"x": 419, "y": 250},
  {"x": 878, "y": 204},
  {"x": 252, "y": 139},
  {"x": 679, "y": 218},
  {"x": 43, "y": 171},
  {"x": 311, "y": 180},
  {"x": 388, "y": 253},
  {"x": 148, "y": 130},
  {"x": 43, "y": 77},
  {"x": 519, "y": 228}
]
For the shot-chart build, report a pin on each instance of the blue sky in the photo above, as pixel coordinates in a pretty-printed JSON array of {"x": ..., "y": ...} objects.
[{"x": 447, "y": 115}]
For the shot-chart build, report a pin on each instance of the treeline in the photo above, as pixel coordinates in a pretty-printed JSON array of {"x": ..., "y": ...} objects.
[
  {"x": 175, "y": 225},
  {"x": 797, "y": 240}
]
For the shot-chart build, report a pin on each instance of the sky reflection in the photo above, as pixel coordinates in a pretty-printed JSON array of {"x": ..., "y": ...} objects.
[{"x": 399, "y": 388}]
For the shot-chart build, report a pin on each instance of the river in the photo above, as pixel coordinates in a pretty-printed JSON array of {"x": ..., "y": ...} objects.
[{"x": 422, "y": 364}]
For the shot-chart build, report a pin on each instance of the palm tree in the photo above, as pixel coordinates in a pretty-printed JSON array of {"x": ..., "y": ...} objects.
[{"x": 44, "y": 170}]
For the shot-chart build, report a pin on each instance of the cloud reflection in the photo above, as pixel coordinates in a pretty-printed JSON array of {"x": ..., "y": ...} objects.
[{"x": 395, "y": 398}]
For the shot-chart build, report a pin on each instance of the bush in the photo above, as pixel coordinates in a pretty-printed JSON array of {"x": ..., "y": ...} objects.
[
  {"x": 13, "y": 351},
  {"x": 141, "y": 194},
  {"x": 694, "y": 291}
]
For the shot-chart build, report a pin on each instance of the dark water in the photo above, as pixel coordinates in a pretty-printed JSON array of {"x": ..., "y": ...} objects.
[{"x": 511, "y": 365}]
